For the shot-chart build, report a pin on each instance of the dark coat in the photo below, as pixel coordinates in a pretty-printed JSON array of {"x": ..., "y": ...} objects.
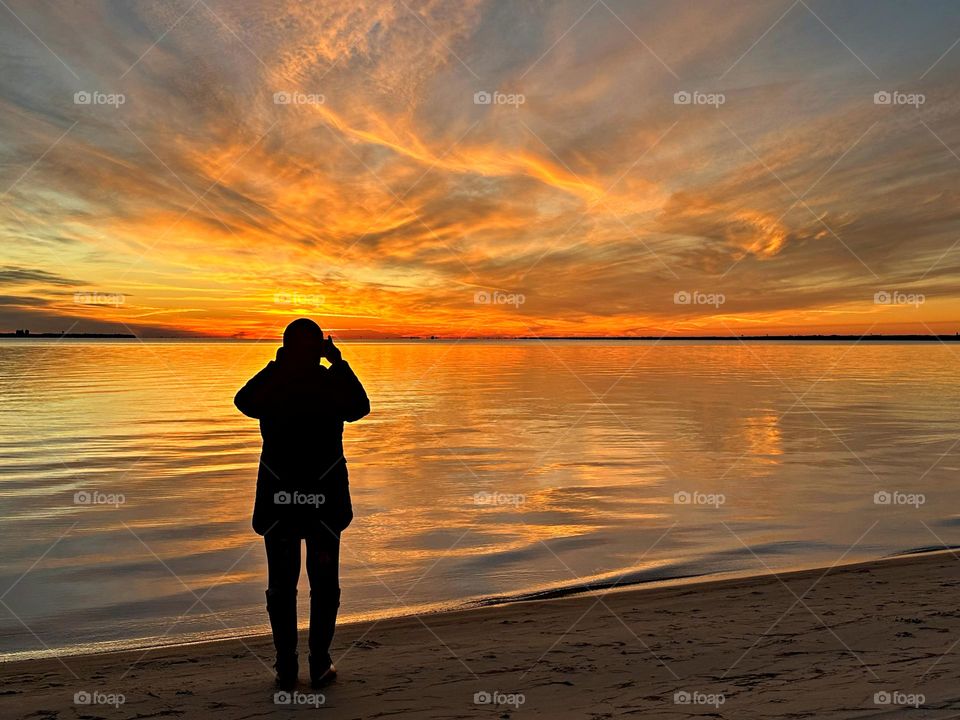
[{"x": 302, "y": 481}]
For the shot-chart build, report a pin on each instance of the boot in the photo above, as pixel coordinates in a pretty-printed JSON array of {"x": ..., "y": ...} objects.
[
  {"x": 282, "y": 609},
  {"x": 323, "y": 622}
]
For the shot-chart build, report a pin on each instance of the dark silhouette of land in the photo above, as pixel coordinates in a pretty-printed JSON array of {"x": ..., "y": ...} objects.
[
  {"x": 726, "y": 338},
  {"x": 95, "y": 336},
  {"x": 752, "y": 338}
]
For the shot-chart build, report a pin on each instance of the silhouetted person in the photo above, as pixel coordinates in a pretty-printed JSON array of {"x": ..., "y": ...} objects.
[{"x": 302, "y": 488}]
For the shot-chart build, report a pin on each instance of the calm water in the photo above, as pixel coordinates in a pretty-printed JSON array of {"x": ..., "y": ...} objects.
[{"x": 578, "y": 451}]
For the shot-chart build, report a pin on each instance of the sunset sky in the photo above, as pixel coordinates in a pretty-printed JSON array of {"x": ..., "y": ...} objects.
[{"x": 387, "y": 198}]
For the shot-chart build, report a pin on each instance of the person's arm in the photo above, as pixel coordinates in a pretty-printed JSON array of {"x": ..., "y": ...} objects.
[
  {"x": 351, "y": 399},
  {"x": 254, "y": 398}
]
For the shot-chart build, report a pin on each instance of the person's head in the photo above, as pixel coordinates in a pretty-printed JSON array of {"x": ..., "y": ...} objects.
[{"x": 303, "y": 342}]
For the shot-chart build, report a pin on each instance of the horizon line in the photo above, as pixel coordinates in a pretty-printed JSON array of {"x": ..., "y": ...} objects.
[{"x": 729, "y": 337}]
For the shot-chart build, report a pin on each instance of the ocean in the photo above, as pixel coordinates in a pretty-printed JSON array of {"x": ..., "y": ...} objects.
[{"x": 488, "y": 471}]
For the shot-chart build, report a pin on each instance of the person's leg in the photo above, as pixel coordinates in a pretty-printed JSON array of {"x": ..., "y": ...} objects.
[
  {"x": 323, "y": 570},
  {"x": 283, "y": 572}
]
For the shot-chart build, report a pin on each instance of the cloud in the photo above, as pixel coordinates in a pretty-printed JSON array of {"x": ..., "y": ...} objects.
[
  {"x": 10, "y": 275},
  {"x": 394, "y": 195},
  {"x": 22, "y": 301}
]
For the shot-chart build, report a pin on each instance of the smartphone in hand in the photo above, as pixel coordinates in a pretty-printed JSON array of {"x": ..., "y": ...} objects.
[{"x": 330, "y": 351}]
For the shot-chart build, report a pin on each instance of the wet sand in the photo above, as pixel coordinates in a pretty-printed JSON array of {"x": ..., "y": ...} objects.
[{"x": 858, "y": 641}]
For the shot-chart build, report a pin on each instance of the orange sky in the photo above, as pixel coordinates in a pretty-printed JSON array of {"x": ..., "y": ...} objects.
[{"x": 179, "y": 194}]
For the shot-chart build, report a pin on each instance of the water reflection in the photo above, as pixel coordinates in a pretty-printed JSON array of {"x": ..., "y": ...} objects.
[{"x": 597, "y": 439}]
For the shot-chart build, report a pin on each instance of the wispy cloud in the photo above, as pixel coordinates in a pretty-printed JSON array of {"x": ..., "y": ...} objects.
[{"x": 376, "y": 165}]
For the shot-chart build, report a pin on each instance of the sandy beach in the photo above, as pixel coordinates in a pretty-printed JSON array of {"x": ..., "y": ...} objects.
[{"x": 858, "y": 641}]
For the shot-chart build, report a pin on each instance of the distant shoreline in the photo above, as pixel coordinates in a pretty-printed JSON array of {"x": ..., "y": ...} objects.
[
  {"x": 578, "y": 338},
  {"x": 88, "y": 336}
]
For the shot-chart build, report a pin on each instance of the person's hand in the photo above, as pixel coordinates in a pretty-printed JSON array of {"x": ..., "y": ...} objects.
[
  {"x": 280, "y": 354},
  {"x": 330, "y": 351}
]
